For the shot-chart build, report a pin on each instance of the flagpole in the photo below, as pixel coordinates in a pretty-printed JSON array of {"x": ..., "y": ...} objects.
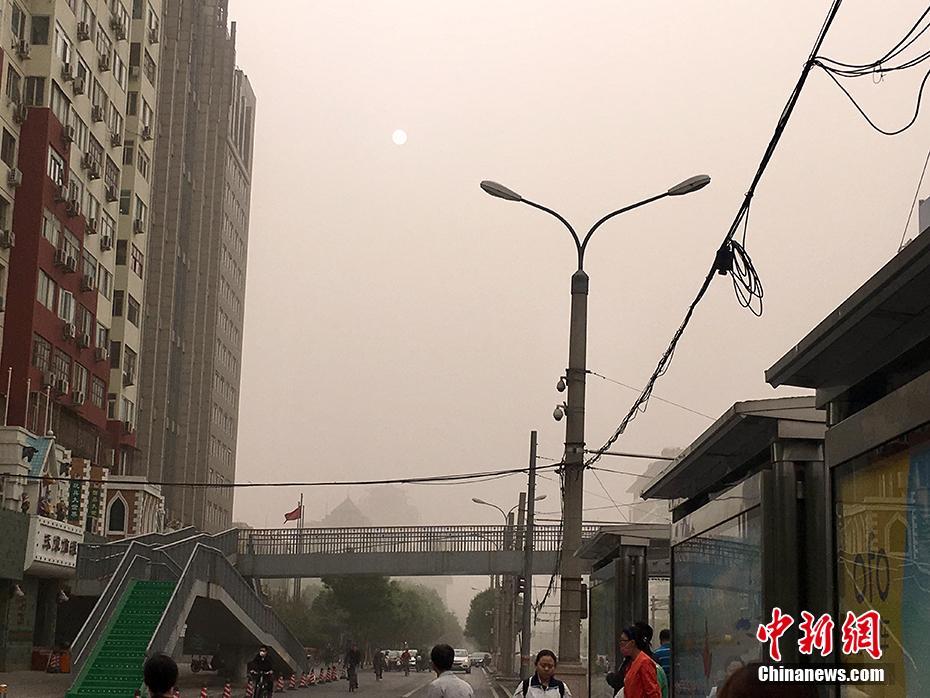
[{"x": 300, "y": 527}]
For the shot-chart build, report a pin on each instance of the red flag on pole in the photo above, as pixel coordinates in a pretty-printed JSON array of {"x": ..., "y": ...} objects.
[{"x": 293, "y": 515}]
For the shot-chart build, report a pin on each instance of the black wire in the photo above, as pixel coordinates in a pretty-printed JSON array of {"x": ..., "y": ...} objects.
[
  {"x": 923, "y": 84},
  {"x": 895, "y": 50},
  {"x": 729, "y": 259},
  {"x": 433, "y": 479}
]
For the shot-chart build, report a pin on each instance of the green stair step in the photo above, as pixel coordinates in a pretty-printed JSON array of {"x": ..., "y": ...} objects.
[{"x": 115, "y": 665}]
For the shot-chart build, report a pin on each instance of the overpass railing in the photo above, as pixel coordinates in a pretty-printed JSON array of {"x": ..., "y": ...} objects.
[{"x": 398, "y": 539}]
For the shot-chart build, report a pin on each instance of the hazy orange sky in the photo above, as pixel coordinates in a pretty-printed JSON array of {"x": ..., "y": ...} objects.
[{"x": 401, "y": 322}]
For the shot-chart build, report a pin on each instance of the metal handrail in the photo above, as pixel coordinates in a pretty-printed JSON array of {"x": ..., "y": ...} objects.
[
  {"x": 396, "y": 539},
  {"x": 209, "y": 564}
]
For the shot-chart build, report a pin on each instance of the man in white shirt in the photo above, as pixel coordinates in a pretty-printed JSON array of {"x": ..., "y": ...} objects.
[{"x": 446, "y": 684}]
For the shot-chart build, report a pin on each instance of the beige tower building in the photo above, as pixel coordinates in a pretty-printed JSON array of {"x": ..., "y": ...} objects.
[{"x": 192, "y": 336}]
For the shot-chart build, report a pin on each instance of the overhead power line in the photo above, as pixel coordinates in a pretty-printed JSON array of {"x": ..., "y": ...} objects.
[
  {"x": 731, "y": 257},
  {"x": 654, "y": 397},
  {"x": 425, "y": 480}
]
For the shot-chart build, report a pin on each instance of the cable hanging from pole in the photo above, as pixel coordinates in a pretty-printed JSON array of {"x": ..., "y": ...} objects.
[{"x": 731, "y": 257}]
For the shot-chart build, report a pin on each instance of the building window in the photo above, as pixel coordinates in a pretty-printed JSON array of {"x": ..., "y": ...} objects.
[
  {"x": 116, "y": 349},
  {"x": 129, "y": 157},
  {"x": 132, "y": 103},
  {"x": 62, "y": 46},
  {"x": 147, "y": 113},
  {"x": 125, "y": 201},
  {"x": 104, "y": 285},
  {"x": 61, "y": 364},
  {"x": 39, "y": 31},
  {"x": 119, "y": 70},
  {"x": 79, "y": 377},
  {"x": 104, "y": 43},
  {"x": 108, "y": 225},
  {"x": 85, "y": 321},
  {"x": 41, "y": 353},
  {"x": 143, "y": 164},
  {"x": 116, "y": 517},
  {"x": 137, "y": 261},
  {"x": 98, "y": 393},
  {"x": 132, "y": 311},
  {"x": 17, "y": 22},
  {"x": 51, "y": 228},
  {"x": 111, "y": 406},
  {"x": 35, "y": 91},
  {"x": 118, "y": 296},
  {"x": 111, "y": 174},
  {"x": 8, "y": 149},
  {"x": 148, "y": 67},
  {"x": 121, "y": 252},
  {"x": 103, "y": 336},
  {"x": 129, "y": 364},
  {"x": 141, "y": 210},
  {"x": 47, "y": 290},
  {"x": 127, "y": 411},
  {"x": 66, "y": 306},
  {"x": 56, "y": 167},
  {"x": 13, "y": 80}
]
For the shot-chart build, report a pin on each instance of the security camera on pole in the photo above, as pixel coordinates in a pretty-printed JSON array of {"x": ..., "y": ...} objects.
[{"x": 570, "y": 604}]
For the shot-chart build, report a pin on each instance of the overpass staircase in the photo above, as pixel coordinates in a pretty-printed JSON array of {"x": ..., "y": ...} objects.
[{"x": 152, "y": 587}]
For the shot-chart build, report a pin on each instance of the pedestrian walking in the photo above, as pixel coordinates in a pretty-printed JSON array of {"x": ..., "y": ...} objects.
[
  {"x": 446, "y": 684},
  {"x": 640, "y": 680},
  {"x": 352, "y": 659},
  {"x": 378, "y": 663},
  {"x": 543, "y": 684},
  {"x": 405, "y": 660},
  {"x": 663, "y": 653},
  {"x": 160, "y": 674}
]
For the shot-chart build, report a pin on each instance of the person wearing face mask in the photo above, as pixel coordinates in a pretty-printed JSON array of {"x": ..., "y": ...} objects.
[
  {"x": 640, "y": 680},
  {"x": 543, "y": 684},
  {"x": 261, "y": 672}
]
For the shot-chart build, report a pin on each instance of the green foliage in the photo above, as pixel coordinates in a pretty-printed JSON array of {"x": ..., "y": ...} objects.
[
  {"x": 480, "y": 621},
  {"x": 373, "y": 611}
]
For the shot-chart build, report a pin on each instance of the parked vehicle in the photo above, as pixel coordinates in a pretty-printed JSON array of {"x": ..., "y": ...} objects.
[
  {"x": 461, "y": 662},
  {"x": 392, "y": 660}
]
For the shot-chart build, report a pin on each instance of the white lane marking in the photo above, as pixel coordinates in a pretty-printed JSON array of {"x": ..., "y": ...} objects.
[{"x": 407, "y": 695}]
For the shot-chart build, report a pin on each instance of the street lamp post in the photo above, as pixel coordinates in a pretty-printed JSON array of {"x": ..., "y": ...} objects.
[{"x": 570, "y": 603}]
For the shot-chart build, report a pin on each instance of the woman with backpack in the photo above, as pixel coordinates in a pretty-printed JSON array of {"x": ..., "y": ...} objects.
[
  {"x": 543, "y": 684},
  {"x": 640, "y": 680}
]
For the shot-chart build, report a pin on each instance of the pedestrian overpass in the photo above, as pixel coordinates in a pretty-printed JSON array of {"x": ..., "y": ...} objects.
[{"x": 398, "y": 551}]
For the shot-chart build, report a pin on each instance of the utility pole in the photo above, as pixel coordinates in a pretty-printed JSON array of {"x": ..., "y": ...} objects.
[
  {"x": 507, "y": 668},
  {"x": 526, "y": 624}
]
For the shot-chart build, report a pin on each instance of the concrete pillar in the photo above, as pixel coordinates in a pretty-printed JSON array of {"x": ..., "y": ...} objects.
[{"x": 46, "y": 612}]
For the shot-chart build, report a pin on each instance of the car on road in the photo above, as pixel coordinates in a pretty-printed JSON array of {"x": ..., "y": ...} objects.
[
  {"x": 461, "y": 662},
  {"x": 478, "y": 659},
  {"x": 392, "y": 660}
]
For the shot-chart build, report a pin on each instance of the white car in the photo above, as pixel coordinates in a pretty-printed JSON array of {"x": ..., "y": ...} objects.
[{"x": 461, "y": 661}]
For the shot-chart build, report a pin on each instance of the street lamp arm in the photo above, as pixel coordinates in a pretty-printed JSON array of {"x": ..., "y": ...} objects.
[
  {"x": 606, "y": 218},
  {"x": 578, "y": 245}
]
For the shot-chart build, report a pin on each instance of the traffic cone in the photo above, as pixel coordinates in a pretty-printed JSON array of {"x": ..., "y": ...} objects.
[
  {"x": 249, "y": 689},
  {"x": 311, "y": 679},
  {"x": 279, "y": 686},
  {"x": 227, "y": 690},
  {"x": 292, "y": 686},
  {"x": 203, "y": 692},
  {"x": 303, "y": 680}
]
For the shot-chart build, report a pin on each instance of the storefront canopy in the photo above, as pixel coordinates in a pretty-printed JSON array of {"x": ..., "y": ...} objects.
[{"x": 719, "y": 456}]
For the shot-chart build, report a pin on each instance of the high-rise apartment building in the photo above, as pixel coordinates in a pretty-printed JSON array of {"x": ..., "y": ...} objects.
[
  {"x": 197, "y": 260},
  {"x": 77, "y": 105}
]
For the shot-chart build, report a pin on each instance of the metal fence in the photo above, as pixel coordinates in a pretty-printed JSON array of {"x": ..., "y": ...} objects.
[{"x": 398, "y": 539}]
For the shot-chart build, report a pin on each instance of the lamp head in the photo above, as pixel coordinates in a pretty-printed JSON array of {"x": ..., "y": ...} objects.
[
  {"x": 500, "y": 191},
  {"x": 689, "y": 185}
]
